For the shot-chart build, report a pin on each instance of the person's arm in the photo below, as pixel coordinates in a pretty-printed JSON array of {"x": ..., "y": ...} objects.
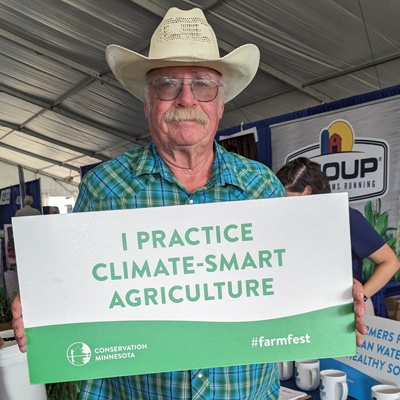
[
  {"x": 387, "y": 264},
  {"x": 18, "y": 324},
  {"x": 359, "y": 309},
  {"x": 82, "y": 202}
]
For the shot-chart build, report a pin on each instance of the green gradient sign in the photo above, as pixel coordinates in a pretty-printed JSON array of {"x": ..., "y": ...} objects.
[{"x": 149, "y": 290}]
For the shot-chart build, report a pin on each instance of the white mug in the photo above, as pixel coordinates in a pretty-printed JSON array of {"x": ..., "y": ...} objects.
[
  {"x": 307, "y": 374},
  {"x": 285, "y": 370},
  {"x": 333, "y": 385},
  {"x": 385, "y": 392}
]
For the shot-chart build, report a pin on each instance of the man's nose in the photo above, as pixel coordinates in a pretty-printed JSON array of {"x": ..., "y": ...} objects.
[{"x": 186, "y": 94}]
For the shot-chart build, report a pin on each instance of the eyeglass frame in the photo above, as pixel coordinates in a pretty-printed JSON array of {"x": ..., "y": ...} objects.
[{"x": 190, "y": 85}]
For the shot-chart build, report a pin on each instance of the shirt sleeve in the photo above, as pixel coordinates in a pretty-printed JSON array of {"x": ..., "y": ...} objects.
[
  {"x": 82, "y": 202},
  {"x": 365, "y": 240}
]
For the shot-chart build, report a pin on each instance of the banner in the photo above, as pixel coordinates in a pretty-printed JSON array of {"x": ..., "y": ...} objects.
[
  {"x": 358, "y": 149},
  {"x": 377, "y": 360},
  {"x": 185, "y": 287}
]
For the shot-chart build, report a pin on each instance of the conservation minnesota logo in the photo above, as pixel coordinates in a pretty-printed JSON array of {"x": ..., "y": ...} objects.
[
  {"x": 357, "y": 166},
  {"x": 79, "y": 354}
]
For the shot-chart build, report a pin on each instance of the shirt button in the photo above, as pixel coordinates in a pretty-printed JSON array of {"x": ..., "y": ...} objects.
[
  {"x": 191, "y": 201},
  {"x": 200, "y": 375}
]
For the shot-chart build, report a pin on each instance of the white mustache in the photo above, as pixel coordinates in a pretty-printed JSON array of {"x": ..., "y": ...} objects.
[{"x": 186, "y": 114}]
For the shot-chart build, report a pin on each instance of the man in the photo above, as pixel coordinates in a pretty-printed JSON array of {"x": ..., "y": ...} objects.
[
  {"x": 184, "y": 85},
  {"x": 27, "y": 209}
]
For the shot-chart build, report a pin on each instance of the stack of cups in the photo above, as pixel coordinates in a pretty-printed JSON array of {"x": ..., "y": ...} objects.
[
  {"x": 385, "y": 392},
  {"x": 285, "y": 370},
  {"x": 333, "y": 385},
  {"x": 14, "y": 377},
  {"x": 307, "y": 374}
]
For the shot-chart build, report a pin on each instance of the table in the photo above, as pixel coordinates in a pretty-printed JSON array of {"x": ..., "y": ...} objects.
[{"x": 291, "y": 383}]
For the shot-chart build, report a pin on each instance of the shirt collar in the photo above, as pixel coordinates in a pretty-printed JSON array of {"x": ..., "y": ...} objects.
[{"x": 224, "y": 170}]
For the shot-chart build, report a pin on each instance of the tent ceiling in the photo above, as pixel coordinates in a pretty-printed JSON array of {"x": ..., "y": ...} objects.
[{"x": 61, "y": 107}]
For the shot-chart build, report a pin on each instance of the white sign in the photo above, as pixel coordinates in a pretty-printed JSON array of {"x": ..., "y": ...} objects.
[
  {"x": 5, "y": 196},
  {"x": 267, "y": 280}
]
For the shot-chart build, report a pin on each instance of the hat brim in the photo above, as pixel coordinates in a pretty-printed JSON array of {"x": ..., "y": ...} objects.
[{"x": 237, "y": 68}]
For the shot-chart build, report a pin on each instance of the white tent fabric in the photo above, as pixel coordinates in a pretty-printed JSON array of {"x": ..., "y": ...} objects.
[
  {"x": 49, "y": 186},
  {"x": 61, "y": 108}
]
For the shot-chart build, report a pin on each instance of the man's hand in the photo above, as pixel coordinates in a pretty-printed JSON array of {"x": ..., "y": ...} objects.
[
  {"x": 18, "y": 324},
  {"x": 359, "y": 309}
]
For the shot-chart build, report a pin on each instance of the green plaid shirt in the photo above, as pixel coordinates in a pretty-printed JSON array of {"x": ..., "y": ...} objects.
[{"x": 140, "y": 178}]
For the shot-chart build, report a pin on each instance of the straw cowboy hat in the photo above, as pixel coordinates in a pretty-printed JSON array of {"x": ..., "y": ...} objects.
[{"x": 184, "y": 38}]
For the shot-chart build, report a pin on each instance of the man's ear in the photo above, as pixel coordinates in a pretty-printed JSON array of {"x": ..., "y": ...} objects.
[
  {"x": 221, "y": 108},
  {"x": 307, "y": 190},
  {"x": 146, "y": 110}
]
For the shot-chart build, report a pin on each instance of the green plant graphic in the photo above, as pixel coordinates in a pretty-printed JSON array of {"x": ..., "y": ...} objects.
[
  {"x": 62, "y": 391},
  {"x": 380, "y": 221},
  {"x": 5, "y": 306}
]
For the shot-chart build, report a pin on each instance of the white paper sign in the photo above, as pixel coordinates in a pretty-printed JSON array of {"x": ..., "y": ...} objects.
[{"x": 266, "y": 279}]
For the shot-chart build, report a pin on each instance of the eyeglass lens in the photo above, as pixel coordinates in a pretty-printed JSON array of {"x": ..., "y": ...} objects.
[{"x": 169, "y": 88}]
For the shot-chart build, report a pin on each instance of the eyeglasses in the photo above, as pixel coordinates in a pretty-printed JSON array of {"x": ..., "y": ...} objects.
[{"x": 168, "y": 89}]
